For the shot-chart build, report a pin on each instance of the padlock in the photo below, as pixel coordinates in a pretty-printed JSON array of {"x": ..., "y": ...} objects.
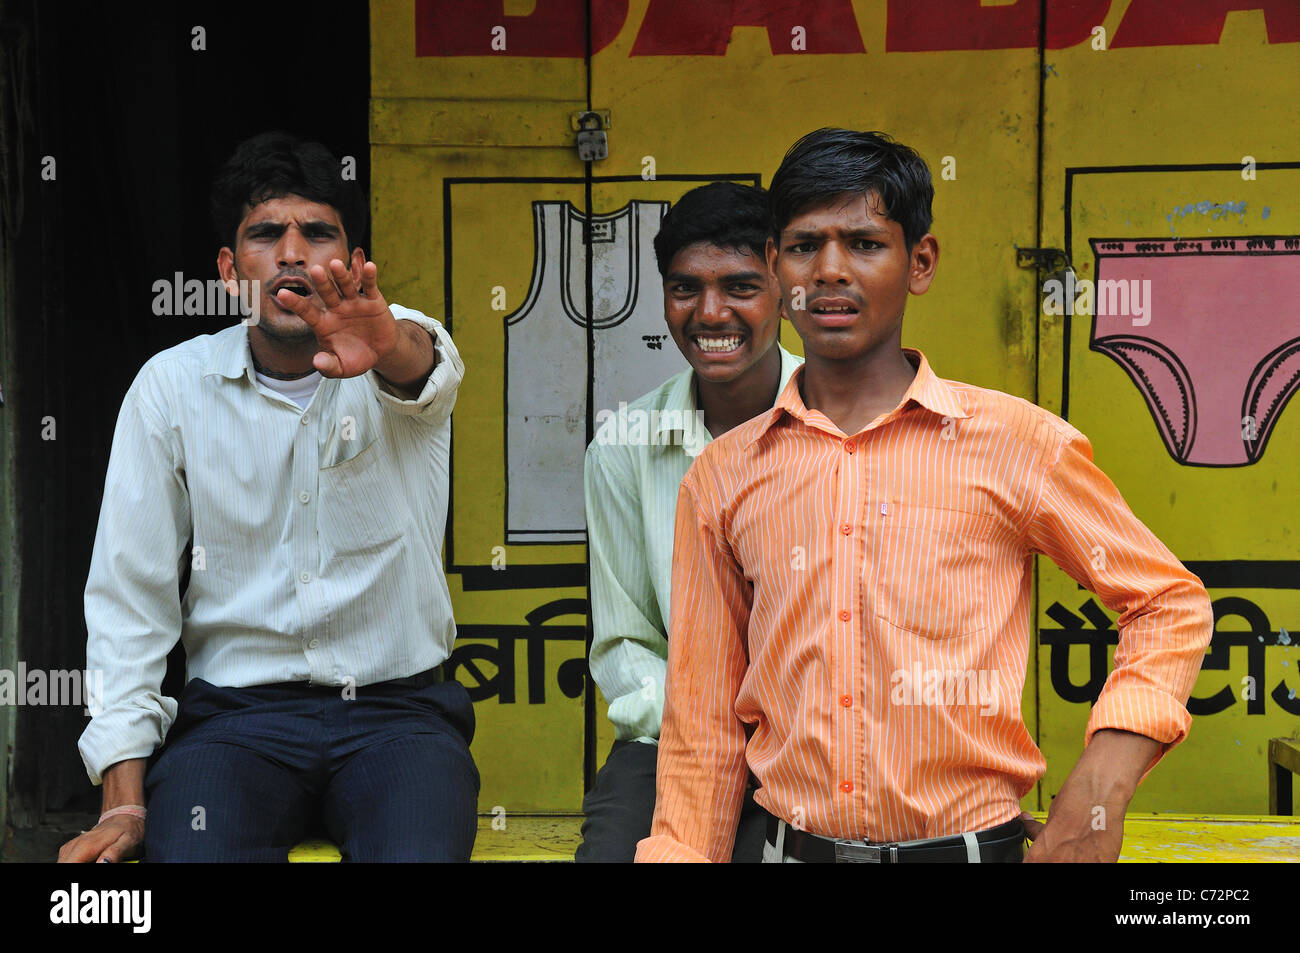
[
  {"x": 592, "y": 142},
  {"x": 1061, "y": 286}
]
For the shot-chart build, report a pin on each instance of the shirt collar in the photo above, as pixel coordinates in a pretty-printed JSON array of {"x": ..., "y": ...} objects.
[
  {"x": 927, "y": 390},
  {"x": 689, "y": 423},
  {"x": 229, "y": 355}
]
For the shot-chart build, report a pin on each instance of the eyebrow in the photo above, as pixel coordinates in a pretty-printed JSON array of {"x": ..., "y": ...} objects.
[
  {"x": 684, "y": 278},
  {"x": 865, "y": 231},
  {"x": 273, "y": 227}
]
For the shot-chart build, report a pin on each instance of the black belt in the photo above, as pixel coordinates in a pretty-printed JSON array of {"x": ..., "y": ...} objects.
[
  {"x": 421, "y": 680},
  {"x": 1002, "y": 844}
]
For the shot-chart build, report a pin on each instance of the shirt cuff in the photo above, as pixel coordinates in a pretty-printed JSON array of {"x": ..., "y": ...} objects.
[
  {"x": 659, "y": 849},
  {"x": 438, "y": 396},
  {"x": 130, "y": 729},
  {"x": 1143, "y": 711},
  {"x": 636, "y": 718}
]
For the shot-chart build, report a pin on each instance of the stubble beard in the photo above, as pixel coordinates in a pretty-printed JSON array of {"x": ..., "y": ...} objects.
[{"x": 286, "y": 329}]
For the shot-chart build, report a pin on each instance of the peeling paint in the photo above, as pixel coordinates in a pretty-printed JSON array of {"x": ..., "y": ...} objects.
[{"x": 1215, "y": 210}]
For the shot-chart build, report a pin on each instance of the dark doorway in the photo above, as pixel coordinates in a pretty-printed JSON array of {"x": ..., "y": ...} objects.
[{"x": 137, "y": 105}]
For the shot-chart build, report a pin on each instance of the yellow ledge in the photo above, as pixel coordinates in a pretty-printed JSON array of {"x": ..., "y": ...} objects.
[{"x": 1148, "y": 838}]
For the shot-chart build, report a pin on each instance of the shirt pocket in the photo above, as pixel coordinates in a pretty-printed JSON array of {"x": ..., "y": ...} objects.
[
  {"x": 931, "y": 571},
  {"x": 362, "y": 506}
]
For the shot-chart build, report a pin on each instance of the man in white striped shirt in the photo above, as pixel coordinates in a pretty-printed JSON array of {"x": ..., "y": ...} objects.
[
  {"x": 723, "y": 311},
  {"x": 294, "y": 467}
]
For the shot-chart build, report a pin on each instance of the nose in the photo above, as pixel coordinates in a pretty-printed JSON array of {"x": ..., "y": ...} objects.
[
  {"x": 712, "y": 308},
  {"x": 292, "y": 249},
  {"x": 831, "y": 264}
]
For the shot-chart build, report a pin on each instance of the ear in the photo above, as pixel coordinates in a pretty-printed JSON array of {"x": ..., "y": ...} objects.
[
  {"x": 356, "y": 263},
  {"x": 226, "y": 267},
  {"x": 924, "y": 263},
  {"x": 771, "y": 257}
]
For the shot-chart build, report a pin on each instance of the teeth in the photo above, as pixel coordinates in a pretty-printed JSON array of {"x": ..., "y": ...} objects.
[
  {"x": 718, "y": 344},
  {"x": 841, "y": 310}
]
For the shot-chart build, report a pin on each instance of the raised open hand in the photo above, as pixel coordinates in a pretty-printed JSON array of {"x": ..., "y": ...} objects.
[{"x": 354, "y": 329}]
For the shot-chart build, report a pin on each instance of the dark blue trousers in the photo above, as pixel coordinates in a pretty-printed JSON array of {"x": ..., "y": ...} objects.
[{"x": 247, "y": 773}]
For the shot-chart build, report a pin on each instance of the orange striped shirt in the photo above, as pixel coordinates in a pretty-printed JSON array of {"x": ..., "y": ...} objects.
[{"x": 863, "y": 603}]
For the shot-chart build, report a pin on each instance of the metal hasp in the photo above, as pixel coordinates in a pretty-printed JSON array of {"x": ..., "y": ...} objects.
[
  {"x": 1044, "y": 259},
  {"x": 1055, "y": 262}
]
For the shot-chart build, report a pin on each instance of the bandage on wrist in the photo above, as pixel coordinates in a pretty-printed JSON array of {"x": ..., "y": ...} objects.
[{"x": 132, "y": 810}]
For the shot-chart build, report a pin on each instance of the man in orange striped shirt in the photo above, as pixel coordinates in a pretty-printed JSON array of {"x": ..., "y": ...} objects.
[{"x": 852, "y": 576}]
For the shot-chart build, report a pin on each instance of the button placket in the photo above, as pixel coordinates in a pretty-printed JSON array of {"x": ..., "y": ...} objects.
[
  {"x": 848, "y": 649},
  {"x": 869, "y": 492},
  {"x": 304, "y": 523}
]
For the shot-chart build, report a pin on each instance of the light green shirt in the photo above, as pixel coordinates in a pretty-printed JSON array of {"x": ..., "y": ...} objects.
[{"x": 634, "y": 468}]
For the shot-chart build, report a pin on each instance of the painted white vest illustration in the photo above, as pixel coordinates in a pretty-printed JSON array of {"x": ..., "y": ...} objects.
[{"x": 546, "y": 357}]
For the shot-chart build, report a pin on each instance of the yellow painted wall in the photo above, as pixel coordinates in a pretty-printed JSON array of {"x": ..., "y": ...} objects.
[
  {"x": 457, "y": 125},
  {"x": 1178, "y": 109}
]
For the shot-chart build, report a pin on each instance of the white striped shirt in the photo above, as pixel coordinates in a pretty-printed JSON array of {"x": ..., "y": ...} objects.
[{"x": 313, "y": 537}]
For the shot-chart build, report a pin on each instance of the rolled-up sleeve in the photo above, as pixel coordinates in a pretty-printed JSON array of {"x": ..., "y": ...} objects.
[
  {"x": 132, "y": 600},
  {"x": 434, "y": 403},
  {"x": 1165, "y": 621}
]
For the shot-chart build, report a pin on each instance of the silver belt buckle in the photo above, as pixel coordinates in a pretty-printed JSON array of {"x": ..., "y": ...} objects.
[{"x": 858, "y": 852}]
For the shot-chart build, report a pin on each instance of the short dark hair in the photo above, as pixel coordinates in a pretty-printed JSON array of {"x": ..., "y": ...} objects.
[
  {"x": 725, "y": 214},
  {"x": 834, "y": 162},
  {"x": 275, "y": 164}
]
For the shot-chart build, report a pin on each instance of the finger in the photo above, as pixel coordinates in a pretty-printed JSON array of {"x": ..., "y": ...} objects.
[
  {"x": 121, "y": 849},
  {"x": 68, "y": 852},
  {"x": 1032, "y": 827},
  {"x": 85, "y": 848},
  {"x": 343, "y": 278},
  {"x": 324, "y": 286},
  {"x": 305, "y": 308},
  {"x": 110, "y": 854},
  {"x": 369, "y": 279},
  {"x": 327, "y": 364}
]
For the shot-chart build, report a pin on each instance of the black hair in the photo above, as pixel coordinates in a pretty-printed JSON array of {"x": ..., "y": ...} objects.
[
  {"x": 273, "y": 165},
  {"x": 836, "y": 162},
  {"x": 725, "y": 214}
]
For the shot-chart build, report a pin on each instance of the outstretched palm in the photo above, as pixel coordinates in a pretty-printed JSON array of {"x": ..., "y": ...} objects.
[{"x": 354, "y": 328}]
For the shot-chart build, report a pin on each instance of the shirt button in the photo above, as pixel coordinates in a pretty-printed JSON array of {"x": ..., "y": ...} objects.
[
  {"x": 305, "y": 419},
  {"x": 846, "y": 787},
  {"x": 314, "y": 644},
  {"x": 304, "y": 496},
  {"x": 846, "y": 701},
  {"x": 846, "y": 529},
  {"x": 304, "y": 577},
  {"x": 845, "y": 615},
  {"x": 849, "y": 448}
]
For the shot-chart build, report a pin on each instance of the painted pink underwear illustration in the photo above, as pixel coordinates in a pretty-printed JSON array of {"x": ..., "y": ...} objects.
[{"x": 1213, "y": 343}]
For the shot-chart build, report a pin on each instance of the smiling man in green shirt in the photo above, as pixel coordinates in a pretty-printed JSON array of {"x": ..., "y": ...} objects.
[{"x": 723, "y": 311}]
